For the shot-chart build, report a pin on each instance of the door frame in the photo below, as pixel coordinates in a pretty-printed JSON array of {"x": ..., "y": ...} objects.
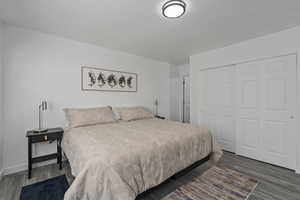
[{"x": 183, "y": 110}]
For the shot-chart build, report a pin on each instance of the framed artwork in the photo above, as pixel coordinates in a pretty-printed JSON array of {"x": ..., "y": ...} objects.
[{"x": 96, "y": 79}]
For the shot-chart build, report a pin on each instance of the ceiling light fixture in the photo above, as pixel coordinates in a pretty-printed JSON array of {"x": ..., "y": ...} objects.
[{"x": 173, "y": 9}]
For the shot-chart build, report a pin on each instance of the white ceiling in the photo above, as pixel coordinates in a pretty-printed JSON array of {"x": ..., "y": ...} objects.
[{"x": 137, "y": 26}]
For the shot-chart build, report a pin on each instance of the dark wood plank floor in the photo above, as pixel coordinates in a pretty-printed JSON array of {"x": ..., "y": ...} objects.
[{"x": 275, "y": 183}]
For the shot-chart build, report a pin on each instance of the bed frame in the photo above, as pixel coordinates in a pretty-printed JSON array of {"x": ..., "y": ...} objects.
[
  {"x": 190, "y": 168},
  {"x": 181, "y": 173}
]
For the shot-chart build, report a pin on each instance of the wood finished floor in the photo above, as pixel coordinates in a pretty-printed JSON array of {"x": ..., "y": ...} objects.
[{"x": 275, "y": 183}]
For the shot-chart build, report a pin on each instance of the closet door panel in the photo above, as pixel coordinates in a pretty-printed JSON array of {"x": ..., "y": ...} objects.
[
  {"x": 226, "y": 125},
  {"x": 278, "y": 111},
  {"x": 266, "y": 106},
  {"x": 248, "y": 110},
  {"x": 217, "y": 105},
  {"x": 211, "y": 122}
]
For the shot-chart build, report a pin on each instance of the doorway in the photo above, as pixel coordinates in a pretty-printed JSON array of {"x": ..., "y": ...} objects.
[{"x": 186, "y": 99}]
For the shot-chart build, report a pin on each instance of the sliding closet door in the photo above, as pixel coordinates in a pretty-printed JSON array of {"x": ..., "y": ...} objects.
[
  {"x": 217, "y": 104},
  {"x": 266, "y": 99},
  {"x": 278, "y": 111},
  {"x": 248, "y": 129}
]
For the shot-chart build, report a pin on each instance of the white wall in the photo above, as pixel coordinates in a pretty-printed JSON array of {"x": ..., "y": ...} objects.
[
  {"x": 280, "y": 43},
  {"x": 176, "y": 76},
  {"x": 39, "y": 66},
  {"x": 1, "y": 98}
]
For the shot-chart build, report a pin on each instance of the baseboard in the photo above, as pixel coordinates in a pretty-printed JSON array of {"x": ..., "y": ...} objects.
[
  {"x": 14, "y": 169},
  {"x": 24, "y": 167}
]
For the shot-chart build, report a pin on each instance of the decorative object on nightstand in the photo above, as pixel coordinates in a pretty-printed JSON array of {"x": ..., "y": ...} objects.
[
  {"x": 159, "y": 117},
  {"x": 42, "y": 107},
  {"x": 52, "y": 134}
]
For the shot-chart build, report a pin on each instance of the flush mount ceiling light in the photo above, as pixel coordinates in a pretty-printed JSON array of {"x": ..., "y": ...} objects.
[{"x": 173, "y": 9}]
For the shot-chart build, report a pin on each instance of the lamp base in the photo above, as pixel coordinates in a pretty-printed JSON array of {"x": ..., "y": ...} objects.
[{"x": 40, "y": 130}]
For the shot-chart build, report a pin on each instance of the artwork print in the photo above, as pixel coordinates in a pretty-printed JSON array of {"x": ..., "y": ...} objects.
[{"x": 107, "y": 80}]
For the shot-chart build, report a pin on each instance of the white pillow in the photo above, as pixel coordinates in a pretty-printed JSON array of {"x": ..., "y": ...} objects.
[
  {"x": 133, "y": 113},
  {"x": 78, "y": 117}
]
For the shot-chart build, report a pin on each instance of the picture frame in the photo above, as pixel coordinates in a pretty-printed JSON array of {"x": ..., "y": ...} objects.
[{"x": 98, "y": 79}]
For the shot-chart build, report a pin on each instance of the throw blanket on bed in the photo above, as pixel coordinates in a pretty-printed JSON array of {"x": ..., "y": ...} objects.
[{"x": 118, "y": 161}]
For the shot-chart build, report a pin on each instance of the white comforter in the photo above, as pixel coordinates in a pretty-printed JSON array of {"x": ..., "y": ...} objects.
[{"x": 121, "y": 160}]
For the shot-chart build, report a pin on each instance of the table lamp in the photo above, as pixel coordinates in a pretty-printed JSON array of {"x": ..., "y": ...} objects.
[
  {"x": 42, "y": 107},
  {"x": 156, "y": 106}
]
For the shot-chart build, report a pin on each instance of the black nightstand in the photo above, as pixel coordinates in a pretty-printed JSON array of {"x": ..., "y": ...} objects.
[
  {"x": 52, "y": 134},
  {"x": 159, "y": 117}
]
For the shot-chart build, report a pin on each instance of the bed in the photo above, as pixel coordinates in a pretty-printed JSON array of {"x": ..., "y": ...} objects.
[{"x": 118, "y": 161}]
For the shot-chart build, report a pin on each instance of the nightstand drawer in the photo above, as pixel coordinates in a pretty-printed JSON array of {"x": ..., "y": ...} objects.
[{"x": 45, "y": 137}]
